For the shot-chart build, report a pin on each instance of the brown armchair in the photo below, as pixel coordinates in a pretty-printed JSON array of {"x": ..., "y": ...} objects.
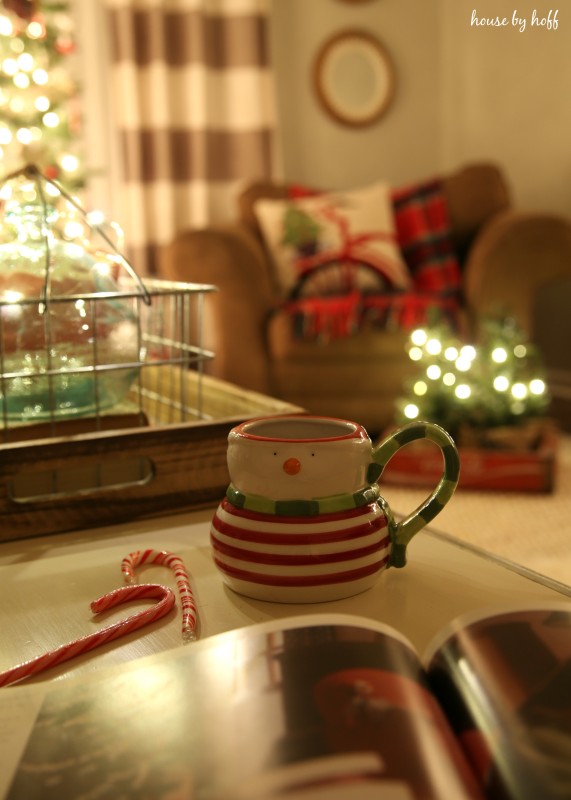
[{"x": 505, "y": 255}]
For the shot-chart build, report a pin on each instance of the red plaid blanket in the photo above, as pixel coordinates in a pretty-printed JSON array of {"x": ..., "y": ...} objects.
[
  {"x": 423, "y": 230},
  {"x": 341, "y": 315},
  {"x": 423, "y": 233}
]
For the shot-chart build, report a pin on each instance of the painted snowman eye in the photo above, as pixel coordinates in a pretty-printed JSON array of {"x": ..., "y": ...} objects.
[{"x": 275, "y": 453}]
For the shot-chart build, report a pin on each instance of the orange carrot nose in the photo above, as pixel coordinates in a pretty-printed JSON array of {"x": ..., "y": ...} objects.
[{"x": 291, "y": 466}]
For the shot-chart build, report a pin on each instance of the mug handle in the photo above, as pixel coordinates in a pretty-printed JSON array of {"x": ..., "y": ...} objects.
[{"x": 403, "y": 531}]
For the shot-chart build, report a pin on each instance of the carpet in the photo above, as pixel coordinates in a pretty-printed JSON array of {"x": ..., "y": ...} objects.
[{"x": 529, "y": 529}]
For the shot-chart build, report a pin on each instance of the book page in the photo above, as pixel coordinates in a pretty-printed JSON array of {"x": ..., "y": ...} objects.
[
  {"x": 505, "y": 683},
  {"x": 19, "y": 708},
  {"x": 318, "y": 707}
]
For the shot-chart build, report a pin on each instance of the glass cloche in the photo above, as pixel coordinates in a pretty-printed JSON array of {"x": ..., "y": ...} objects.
[{"x": 69, "y": 342}]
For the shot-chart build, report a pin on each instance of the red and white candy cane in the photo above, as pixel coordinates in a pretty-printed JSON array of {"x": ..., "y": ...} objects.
[
  {"x": 174, "y": 562},
  {"x": 166, "y": 601}
]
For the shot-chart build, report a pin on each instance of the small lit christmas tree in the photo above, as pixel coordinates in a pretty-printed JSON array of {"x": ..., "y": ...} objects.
[
  {"x": 495, "y": 383},
  {"x": 40, "y": 119}
]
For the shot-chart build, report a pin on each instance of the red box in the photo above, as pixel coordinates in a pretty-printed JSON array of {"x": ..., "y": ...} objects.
[{"x": 420, "y": 464}]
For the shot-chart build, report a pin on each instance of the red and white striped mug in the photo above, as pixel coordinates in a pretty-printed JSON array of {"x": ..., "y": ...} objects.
[{"x": 302, "y": 520}]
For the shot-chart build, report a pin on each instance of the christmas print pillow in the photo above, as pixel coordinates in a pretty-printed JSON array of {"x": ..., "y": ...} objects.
[{"x": 334, "y": 243}]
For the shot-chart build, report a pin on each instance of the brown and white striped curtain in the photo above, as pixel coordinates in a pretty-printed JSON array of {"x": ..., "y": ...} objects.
[{"x": 194, "y": 110}]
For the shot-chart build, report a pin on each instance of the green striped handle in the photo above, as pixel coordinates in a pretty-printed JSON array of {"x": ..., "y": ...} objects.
[{"x": 403, "y": 531}]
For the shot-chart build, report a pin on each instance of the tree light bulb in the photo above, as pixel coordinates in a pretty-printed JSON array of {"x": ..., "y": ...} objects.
[
  {"x": 415, "y": 353},
  {"x": 418, "y": 337},
  {"x": 40, "y": 77},
  {"x": 102, "y": 268},
  {"x": 26, "y": 62},
  {"x": 433, "y": 346},
  {"x": 42, "y": 103},
  {"x": 499, "y": 355},
  {"x": 10, "y": 66},
  {"x": 501, "y": 383},
  {"x": 73, "y": 229},
  {"x": 434, "y": 372},
  {"x": 35, "y": 30},
  {"x": 451, "y": 353},
  {"x": 420, "y": 388},
  {"x": 463, "y": 364},
  {"x": 51, "y": 119},
  {"x": 21, "y": 80},
  {"x": 468, "y": 352},
  {"x": 537, "y": 386},
  {"x": 69, "y": 163},
  {"x": 6, "y": 27},
  {"x": 519, "y": 391},
  {"x": 24, "y": 136},
  {"x": 449, "y": 379},
  {"x": 411, "y": 411},
  {"x": 96, "y": 218},
  {"x": 462, "y": 391}
]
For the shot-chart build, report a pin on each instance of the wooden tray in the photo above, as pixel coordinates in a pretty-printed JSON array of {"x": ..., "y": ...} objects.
[{"x": 91, "y": 478}]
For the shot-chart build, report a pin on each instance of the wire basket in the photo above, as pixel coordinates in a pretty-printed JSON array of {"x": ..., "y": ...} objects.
[{"x": 169, "y": 332}]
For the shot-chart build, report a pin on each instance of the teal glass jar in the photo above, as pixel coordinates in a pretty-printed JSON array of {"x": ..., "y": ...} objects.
[{"x": 69, "y": 338}]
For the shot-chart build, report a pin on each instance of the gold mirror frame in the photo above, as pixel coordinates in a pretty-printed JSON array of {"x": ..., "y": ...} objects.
[{"x": 354, "y": 78}]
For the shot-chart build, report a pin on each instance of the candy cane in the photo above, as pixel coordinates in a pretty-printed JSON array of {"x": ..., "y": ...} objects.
[
  {"x": 163, "y": 557},
  {"x": 77, "y": 647}
]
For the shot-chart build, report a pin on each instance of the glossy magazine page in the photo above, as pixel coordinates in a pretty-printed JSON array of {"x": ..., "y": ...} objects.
[
  {"x": 310, "y": 708},
  {"x": 505, "y": 684}
]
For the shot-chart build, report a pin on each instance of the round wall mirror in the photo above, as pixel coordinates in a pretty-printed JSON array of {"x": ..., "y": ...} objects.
[{"x": 354, "y": 78}]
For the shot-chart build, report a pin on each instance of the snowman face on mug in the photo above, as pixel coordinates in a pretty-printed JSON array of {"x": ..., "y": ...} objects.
[{"x": 298, "y": 458}]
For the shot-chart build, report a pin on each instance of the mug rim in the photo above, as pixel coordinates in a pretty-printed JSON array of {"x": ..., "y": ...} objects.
[{"x": 356, "y": 431}]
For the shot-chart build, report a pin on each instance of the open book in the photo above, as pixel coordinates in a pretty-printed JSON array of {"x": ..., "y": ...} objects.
[{"x": 317, "y": 707}]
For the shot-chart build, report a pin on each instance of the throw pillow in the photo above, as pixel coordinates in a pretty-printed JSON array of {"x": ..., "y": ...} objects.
[{"x": 334, "y": 243}]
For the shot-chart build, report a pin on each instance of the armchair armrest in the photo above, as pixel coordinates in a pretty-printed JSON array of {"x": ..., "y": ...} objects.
[
  {"x": 233, "y": 259},
  {"x": 515, "y": 253}
]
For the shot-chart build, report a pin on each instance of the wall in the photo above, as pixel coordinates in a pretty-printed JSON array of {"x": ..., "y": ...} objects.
[
  {"x": 464, "y": 93},
  {"x": 506, "y": 96},
  {"x": 400, "y": 147}
]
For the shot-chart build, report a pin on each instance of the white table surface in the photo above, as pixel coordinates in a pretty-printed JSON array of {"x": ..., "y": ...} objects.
[{"x": 47, "y": 584}]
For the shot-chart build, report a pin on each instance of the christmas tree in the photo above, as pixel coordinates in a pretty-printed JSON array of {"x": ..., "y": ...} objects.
[
  {"x": 40, "y": 120},
  {"x": 497, "y": 382}
]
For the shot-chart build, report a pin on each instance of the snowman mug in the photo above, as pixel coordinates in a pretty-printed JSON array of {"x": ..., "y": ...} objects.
[{"x": 302, "y": 520}]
